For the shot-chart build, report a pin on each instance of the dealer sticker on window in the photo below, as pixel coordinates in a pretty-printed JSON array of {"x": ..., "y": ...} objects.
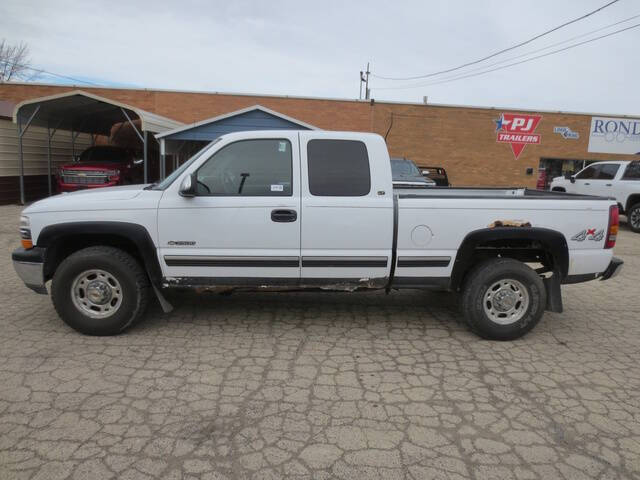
[
  {"x": 282, "y": 147},
  {"x": 277, "y": 188}
]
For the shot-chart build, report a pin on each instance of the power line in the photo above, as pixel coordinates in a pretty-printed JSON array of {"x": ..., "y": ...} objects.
[
  {"x": 417, "y": 77},
  {"x": 39, "y": 70},
  {"x": 460, "y": 77},
  {"x": 420, "y": 84}
]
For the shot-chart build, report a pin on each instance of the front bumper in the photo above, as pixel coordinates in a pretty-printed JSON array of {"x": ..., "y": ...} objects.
[
  {"x": 29, "y": 265},
  {"x": 613, "y": 269}
]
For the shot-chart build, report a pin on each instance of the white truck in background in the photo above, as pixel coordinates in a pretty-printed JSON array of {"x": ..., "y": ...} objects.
[
  {"x": 616, "y": 179},
  {"x": 311, "y": 210}
]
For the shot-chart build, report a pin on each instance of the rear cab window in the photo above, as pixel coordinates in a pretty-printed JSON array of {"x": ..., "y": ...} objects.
[{"x": 338, "y": 168}]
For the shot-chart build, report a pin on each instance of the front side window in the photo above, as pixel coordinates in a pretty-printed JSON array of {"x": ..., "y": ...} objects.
[
  {"x": 338, "y": 168},
  {"x": 608, "y": 171},
  {"x": 248, "y": 168},
  {"x": 588, "y": 173},
  {"x": 632, "y": 172}
]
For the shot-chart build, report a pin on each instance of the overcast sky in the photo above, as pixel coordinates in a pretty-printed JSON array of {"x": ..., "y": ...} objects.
[{"x": 317, "y": 48}]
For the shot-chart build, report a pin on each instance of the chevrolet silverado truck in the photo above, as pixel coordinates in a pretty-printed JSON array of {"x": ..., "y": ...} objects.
[
  {"x": 98, "y": 167},
  {"x": 278, "y": 210},
  {"x": 620, "y": 180}
]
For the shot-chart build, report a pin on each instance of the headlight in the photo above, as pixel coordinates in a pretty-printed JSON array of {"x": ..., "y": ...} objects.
[{"x": 25, "y": 232}]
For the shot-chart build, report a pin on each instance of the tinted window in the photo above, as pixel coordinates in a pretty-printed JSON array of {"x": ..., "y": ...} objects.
[
  {"x": 338, "y": 168},
  {"x": 588, "y": 173},
  {"x": 248, "y": 168},
  {"x": 632, "y": 172},
  {"x": 608, "y": 171},
  {"x": 404, "y": 167}
]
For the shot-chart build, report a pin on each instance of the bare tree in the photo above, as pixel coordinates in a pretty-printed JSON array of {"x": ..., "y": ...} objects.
[{"x": 14, "y": 62}]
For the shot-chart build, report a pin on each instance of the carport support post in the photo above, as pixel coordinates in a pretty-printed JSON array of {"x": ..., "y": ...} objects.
[
  {"x": 21, "y": 132},
  {"x": 163, "y": 159},
  {"x": 146, "y": 169},
  {"x": 21, "y": 160},
  {"x": 49, "y": 159}
]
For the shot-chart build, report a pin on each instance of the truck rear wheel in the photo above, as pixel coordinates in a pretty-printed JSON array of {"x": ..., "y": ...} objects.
[
  {"x": 503, "y": 299},
  {"x": 633, "y": 216},
  {"x": 100, "y": 290}
]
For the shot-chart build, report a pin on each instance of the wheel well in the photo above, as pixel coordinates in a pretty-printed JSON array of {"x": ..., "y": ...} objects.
[
  {"x": 558, "y": 189},
  {"x": 631, "y": 201},
  {"x": 62, "y": 239},
  {"x": 69, "y": 244},
  {"x": 528, "y": 245}
]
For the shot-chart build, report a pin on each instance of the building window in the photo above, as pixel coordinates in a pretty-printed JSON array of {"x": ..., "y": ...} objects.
[
  {"x": 338, "y": 168},
  {"x": 248, "y": 168}
]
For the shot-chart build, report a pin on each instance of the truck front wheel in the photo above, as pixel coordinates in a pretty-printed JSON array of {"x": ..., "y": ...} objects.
[
  {"x": 100, "y": 290},
  {"x": 503, "y": 299}
]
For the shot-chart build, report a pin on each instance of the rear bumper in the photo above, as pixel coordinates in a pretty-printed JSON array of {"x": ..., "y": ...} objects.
[
  {"x": 613, "y": 269},
  {"x": 29, "y": 265}
]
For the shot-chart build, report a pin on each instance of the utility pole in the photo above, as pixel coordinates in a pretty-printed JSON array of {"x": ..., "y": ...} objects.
[
  {"x": 364, "y": 78},
  {"x": 367, "y": 92}
]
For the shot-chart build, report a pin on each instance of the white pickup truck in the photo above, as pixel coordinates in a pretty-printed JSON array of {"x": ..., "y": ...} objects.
[
  {"x": 311, "y": 210},
  {"x": 619, "y": 180}
]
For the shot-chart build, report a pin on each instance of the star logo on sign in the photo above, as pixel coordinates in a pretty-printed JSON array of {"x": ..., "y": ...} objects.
[{"x": 500, "y": 122}]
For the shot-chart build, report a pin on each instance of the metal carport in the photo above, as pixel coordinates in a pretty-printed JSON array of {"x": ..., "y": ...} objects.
[
  {"x": 186, "y": 140},
  {"x": 81, "y": 112}
]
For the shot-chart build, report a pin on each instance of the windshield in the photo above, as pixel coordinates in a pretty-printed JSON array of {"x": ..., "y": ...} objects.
[
  {"x": 104, "y": 154},
  {"x": 402, "y": 167},
  {"x": 178, "y": 171}
]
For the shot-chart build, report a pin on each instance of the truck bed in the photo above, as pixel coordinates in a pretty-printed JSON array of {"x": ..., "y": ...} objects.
[{"x": 488, "y": 192}]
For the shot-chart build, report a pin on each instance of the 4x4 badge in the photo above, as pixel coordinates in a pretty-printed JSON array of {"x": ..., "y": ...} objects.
[{"x": 588, "y": 234}]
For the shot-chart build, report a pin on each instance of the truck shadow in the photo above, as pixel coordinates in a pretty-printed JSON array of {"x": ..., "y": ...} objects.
[{"x": 306, "y": 308}]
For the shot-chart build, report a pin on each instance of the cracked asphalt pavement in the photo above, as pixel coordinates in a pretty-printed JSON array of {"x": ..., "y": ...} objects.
[{"x": 319, "y": 386}]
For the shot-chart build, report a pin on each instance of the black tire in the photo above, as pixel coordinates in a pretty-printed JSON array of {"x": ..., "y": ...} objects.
[
  {"x": 476, "y": 288},
  {"x": 633, "y": 218},
  {"x": 133, "y": 288},
  {"x": 558, "y": 189}
]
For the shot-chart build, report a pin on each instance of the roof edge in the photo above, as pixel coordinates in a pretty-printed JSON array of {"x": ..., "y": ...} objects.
[
  {"x": 143, "y": 115},
  {"x": 332, "y": 99},
  {"x": 233, "y": 114}
]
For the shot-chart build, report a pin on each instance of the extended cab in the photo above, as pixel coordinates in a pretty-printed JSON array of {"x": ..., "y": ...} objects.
[
  {"x": 311, "y": 210},
  {"x": 619, "y": 180}
]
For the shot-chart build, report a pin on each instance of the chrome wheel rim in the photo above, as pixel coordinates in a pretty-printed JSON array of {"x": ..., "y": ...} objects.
[
  {"x": 506, "y": 301},
  {"x": 96, "y": 293},
  {"x": 634, "y": 218}
]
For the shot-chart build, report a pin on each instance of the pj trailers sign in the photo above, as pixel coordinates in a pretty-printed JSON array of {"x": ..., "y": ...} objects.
[
  {"x": 518, "y": 130},
  {"x": 614, "y": 135}
]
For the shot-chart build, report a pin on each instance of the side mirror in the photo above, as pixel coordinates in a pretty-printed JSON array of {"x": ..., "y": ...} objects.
[
  {"x": 138, "y": 161},
  {"x": 188, "y": 186},
  {"x": 572, "y": 179}
]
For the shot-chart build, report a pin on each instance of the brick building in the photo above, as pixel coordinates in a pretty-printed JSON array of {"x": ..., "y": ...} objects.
[{"x": 474, "y": 144}]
